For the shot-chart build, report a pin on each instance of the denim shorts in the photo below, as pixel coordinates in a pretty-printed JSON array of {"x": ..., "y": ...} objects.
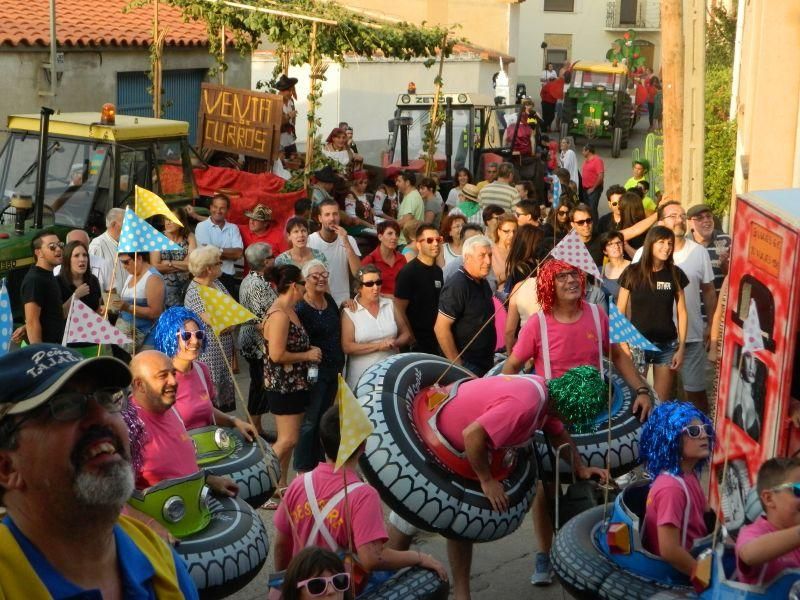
[{"x": 666, "y": 350}]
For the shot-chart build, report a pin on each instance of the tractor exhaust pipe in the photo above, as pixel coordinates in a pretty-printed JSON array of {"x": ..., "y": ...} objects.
[{"x": 41, "y": 171}]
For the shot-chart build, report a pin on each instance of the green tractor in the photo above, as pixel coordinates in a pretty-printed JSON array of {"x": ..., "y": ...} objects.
[
  {"x": 65, "y": 171},
  {"x": 597, "y": 104}
]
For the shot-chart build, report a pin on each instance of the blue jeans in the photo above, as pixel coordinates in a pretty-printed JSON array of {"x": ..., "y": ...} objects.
[
  {"x": 666, "y": 350},
  {"x": 308, "y": 451}
]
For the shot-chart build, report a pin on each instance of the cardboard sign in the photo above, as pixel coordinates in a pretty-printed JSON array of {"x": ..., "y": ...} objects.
[
  {"x": 765, "y": 249},
  {"x": 240, "y": 121}
]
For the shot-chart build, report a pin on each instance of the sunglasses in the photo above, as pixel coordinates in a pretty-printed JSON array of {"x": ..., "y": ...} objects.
[
  {"x": 583, "y": 222},
  {"x": 696, "y": 431},
  {"x": 53, "y": 245},
  {"x": 71, "y": 406},
  {"x": 369, "y": 284},
  {"x": 794, "y": 486},
  {"x": 563, "y": 213},
  {"x": 199, "y": 335},
  {"x": 316, "y": 586},
  {"x": 430, "y": 240},
  {"x": 318, "y": 276}
]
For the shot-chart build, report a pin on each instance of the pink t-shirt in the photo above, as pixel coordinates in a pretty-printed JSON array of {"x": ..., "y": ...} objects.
[
  {"x": 767, "y": 571},
  {"x": 193, "y": 400},
  {"x": 571, "y": 344},
  {"x": 509, "y": 407},
  {"x": 365, "y": 510},
  {"x": 666, "y": 505},
  {"x": 168, "y": 451}
]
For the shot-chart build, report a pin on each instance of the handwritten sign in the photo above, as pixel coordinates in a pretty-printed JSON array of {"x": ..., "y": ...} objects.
[
  {"x": 240, "y": 121},
  {"x": 765, "y": 249}
]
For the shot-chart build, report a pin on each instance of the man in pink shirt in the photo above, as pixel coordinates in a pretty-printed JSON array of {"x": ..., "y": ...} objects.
[
  {"x": 168, "y": 451},
  {"x": 568, "y": 332},
  {"x": 315, "y": 503}
]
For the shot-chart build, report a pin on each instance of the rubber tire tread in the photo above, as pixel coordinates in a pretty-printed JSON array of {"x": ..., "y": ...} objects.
[
  {"x": 414, "y": 583},
  {"x": 408, "y": 477},
  {"x": 237, "y": 550},
  {"x": 257, "y": 482},
  {"x": 586, "y": 573}
]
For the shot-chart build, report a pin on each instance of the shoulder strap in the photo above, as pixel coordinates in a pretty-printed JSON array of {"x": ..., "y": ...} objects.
[
  {"x": 200, "y": 373},
  {"x": 687, "y": 511},
  {"x": 320, "y": 515},
  {"x": 596, "y": 316},
  {"x": 548, "y": 374}
]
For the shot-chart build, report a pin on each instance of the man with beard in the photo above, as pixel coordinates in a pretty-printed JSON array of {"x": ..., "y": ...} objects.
[
  {"x": 168, "y": 451},
  {"x": 44, "y": 319},
  {"x": 340, "y": 250},
  {"x": 65, "y": 475}
]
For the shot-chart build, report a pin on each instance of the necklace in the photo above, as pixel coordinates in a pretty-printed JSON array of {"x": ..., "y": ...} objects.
[{"x": 319, "y": 309}]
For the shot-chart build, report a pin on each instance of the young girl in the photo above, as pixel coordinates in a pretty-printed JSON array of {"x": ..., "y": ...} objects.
[
  {"x": 676, "y": 442},
  {"x": 652, "y": 288}
]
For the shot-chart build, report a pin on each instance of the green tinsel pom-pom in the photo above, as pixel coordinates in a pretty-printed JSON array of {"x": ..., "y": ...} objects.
[{"x": 578, "y": 396}]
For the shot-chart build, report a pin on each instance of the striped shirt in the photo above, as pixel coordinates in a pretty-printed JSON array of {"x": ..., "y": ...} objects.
[{"x": 500, "y": 194}]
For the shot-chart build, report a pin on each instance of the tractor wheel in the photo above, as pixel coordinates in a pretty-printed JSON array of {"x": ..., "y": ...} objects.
[{"x": 616, "y": 142}]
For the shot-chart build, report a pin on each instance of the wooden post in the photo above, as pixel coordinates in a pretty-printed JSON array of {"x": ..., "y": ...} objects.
[
  {"x": 312, "y": 63},
  {"x": 222, "y": 55},
  {"x": 694, "y": 103},
  {"x": 430, "y": 160},
  {"x": 156, "y": 66},
  {"x": 672, "y": 71}
]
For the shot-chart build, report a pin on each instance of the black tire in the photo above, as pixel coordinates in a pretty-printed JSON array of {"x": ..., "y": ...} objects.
[
  {"x": 409, "y": 478},
  {"x": 257, "y": 478},
  {"x": 229, "y": 553},
  {"x": 415, "y": 583},
  {"x": 616, "y": 142},
  {"x": 593, "y": 446},
  {"x": 585, "y": 572}
]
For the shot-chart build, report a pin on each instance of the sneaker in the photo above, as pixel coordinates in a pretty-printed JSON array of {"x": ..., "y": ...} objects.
[{"x": 543, "y": 574}]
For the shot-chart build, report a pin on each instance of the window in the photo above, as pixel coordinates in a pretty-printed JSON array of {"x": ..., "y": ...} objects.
[
  {"x": 556, "y": 56},
  {"x": 559, "y": 5},
  {"x": 627, "y": 12}
]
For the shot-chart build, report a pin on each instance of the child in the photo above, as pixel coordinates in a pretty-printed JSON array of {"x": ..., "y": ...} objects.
[
  {"x": 675, "y": 443},
  {"x": 772, "y": 543}
]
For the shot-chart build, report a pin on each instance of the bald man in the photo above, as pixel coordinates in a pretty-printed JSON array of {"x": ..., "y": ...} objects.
[{"x": 168, "y": 451}]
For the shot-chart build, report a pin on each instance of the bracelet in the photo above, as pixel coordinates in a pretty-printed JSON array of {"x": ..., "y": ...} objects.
[{"x": 642, "y": 390}]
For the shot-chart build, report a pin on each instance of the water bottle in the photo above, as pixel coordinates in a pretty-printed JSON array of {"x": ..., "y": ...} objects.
[{"x": 313, "y": 373}]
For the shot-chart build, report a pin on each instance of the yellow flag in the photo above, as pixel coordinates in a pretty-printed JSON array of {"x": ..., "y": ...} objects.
[
  {"x": 354, "y": 426},
  {"x": 223, "y": 310},
  {"x": 149, "y": 204}
]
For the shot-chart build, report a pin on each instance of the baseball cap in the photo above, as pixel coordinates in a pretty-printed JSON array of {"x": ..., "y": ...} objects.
[
  {"x": 31, "y": 376},
  {"x": 697, "y": 209}
]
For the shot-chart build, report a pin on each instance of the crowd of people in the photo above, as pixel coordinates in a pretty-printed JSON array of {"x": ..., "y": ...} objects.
[{"x": 430, "y": 277}]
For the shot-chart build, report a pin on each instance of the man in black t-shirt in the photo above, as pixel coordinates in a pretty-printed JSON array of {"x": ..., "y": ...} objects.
[
  {"x": 417, "y": 289},
  {"x": 41, "y": 296},
  {"x": 465, "y": 306},
  {"x": 581, "y": 218},
  {"x": 612, "y": 220}
]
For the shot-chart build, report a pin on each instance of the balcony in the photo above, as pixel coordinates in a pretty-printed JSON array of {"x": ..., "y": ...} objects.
[{"x": 643, "y": 15}]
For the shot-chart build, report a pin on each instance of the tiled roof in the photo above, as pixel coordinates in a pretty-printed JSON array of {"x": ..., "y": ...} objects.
[{"x": 94, "y": 23}]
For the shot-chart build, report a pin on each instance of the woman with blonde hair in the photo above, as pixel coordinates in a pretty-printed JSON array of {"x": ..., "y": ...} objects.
[{"x": 205, "y": 265}]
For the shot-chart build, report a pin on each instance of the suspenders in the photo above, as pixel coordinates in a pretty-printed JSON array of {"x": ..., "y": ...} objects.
[
  {"x": 320, "y": 515},
  {"x": 548, "y": 374}
]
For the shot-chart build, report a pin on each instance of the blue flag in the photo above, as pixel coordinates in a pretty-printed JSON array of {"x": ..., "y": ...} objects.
[
  {"x": 621, "y": 330},
  {"x": 139, "y": 236},
  {"x": 6, "y": 320}
]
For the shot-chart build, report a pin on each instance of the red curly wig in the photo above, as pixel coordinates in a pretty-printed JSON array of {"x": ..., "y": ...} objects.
[{"x": 546, "y": 282}]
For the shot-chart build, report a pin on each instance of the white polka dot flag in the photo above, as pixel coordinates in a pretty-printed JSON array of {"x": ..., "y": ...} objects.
[
  {"x": 751, "y": 330},
  {"x": 85, "y": 325},
  {"x": 138, "y": 235},
  {"x": 354, "y": 426},
  {"x": 149, "y": 204},
  {"x": 573, "y": 251},
  {"x": 6, "y": 320},
  {"x": 620, "y": 330},
  {"x": 223, "y": 311}
]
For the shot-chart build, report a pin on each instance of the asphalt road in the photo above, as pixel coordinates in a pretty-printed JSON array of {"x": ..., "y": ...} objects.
[{"x": 501, "y": 569}]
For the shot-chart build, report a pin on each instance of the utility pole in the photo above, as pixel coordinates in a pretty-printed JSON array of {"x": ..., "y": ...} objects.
[
  {"x": 694, "y": 130},
  {"x": 672, "y": 72}
]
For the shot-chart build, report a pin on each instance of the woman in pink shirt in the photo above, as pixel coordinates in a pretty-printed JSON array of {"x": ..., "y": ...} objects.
[
  {"x": 181, "y": 335},
  {"x": 676, "y": 443}
]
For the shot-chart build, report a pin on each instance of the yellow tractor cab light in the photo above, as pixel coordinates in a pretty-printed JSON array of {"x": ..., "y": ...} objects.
[
  {"x": 618, "y": 537},
  {"x": 591, "y": 109},
  {"x": 108, "y": 114},
  {"x": 701, "y": 574}
]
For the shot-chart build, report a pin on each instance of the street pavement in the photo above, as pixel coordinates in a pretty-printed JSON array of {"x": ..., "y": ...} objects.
[{"x": 500, "y": 569}]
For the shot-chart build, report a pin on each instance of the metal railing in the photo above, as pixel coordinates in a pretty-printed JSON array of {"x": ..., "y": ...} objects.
[{"x": 616, "y": 20}]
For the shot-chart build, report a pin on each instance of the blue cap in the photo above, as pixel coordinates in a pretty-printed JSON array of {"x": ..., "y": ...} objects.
[{"x": 31, "y": 376}]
